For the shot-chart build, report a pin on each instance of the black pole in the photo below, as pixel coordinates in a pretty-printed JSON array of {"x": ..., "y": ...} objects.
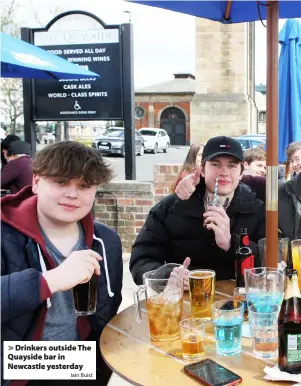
[
  {"x": 29, "y": 127},
  {"x": 128, "y": 101},
  {"x": 66, "y": 131}
]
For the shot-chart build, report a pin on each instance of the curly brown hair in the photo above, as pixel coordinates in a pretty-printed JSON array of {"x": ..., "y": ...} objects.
[{"x": 72, "y": 160}]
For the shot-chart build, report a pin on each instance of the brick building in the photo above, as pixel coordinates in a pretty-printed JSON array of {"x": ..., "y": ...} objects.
[{"x": 167, "y": 106}]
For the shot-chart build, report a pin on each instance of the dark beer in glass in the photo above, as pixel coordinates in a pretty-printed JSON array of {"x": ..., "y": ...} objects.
[{"x": 85, "y": 297}]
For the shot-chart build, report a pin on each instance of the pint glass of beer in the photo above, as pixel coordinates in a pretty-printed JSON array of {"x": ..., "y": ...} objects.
[
  {"x": 201, "y": 292},
  {"x": 85, "y": 297}
]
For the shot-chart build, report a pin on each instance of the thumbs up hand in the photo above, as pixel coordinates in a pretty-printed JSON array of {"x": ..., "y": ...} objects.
[
  {"x": 182, "y": 273},
  {"x": 187, "y": 185},
  {"x": 186, "y": 264}
]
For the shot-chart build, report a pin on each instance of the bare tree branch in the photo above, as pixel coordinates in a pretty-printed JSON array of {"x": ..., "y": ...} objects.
[{"x": 8, "y": 17}]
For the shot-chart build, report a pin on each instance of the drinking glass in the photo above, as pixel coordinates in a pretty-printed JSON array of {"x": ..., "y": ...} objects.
[
  {"x": 263, "y": 320},
  {"x": 201, "y": 292},
  {"x": 85, "y": 297},
  {"x": 192, "y": 332},
  {"x": 228, "y": 316},
  {"x": 283, "y": 245},
  {"x": 164, "y": 301},
  {"x": 296, "y": 258},
  {"x": 264, "y": 286},
  {"x": 212, "y": 199}
]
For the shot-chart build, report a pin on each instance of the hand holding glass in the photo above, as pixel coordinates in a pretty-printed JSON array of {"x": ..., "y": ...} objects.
[{"x": 212, "y": 199}]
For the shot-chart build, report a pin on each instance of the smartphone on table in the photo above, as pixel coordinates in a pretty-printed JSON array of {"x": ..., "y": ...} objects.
[{"x": 211, "y": 373}]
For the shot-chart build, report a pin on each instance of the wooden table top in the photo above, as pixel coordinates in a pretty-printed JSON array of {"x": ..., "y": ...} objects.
[{"x": 127, "y": 349}]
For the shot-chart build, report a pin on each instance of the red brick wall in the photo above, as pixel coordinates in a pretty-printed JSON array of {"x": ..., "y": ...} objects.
[
  {"x": 160, "y": 106},
  {"x": 127, "y": 201},
  {"x": 144, "y": 121},
  {"x": 165, "y": 177}
]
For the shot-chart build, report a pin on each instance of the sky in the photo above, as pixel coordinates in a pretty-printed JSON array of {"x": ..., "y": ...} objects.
[{"x": 164, "y": 41}]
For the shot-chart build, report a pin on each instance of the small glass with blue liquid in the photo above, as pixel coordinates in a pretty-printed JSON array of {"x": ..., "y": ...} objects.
[{"x": 228, "y": 316}]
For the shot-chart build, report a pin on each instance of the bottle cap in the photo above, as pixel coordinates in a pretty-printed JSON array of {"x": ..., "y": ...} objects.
[{"x": 291, "y": 272}]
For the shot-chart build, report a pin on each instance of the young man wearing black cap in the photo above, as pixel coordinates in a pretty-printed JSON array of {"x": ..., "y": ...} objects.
[
  {"x": 174, "y": 229},
  {"x": 17, "y": 173}
]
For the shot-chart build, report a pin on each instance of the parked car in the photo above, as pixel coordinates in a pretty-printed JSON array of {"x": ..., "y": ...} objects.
[
  {"x": 254, "y": 135},
  {"x": 112, "y": 142},
  {"x": 250, "y": 142},
  {"x": 155, "y": 139}
]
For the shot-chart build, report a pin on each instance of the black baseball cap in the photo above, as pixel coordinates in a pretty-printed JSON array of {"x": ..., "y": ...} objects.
[
  {"x": 18, "y": 147},
  {"x": 222, "y": 145}
]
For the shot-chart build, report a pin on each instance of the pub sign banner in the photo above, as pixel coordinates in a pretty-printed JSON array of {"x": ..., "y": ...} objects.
[{"x": 82, "y": 99}]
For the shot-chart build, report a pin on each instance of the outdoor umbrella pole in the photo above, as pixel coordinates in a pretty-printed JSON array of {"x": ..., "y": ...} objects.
[{"x": 272, "y": 135}]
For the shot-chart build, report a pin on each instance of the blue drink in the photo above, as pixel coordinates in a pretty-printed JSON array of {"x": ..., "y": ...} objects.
[
  {"x": 264, "y": 298},
  {"x": 228, "y": 336}
]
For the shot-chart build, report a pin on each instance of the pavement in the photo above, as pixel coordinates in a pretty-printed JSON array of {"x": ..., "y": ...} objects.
[
  {"x": 145, "y": 164},
  {"x": 127, "y": 300}
]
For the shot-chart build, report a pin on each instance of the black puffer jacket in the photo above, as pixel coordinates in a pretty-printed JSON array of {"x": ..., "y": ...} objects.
[
  {"x": 290, "y": 208},
  {"x": 174, "y": 230}
]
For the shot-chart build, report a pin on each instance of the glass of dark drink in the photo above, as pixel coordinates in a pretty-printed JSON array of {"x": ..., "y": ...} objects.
[{"x": 85, "y": 297}]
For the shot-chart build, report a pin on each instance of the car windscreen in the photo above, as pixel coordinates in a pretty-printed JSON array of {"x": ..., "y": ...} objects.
[
  {"x": 114, "y": 133},
  {"x": 148, "y": 132}
]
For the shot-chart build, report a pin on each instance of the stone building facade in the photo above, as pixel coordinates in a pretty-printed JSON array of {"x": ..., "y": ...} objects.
[{"x": 224, "y": 101}]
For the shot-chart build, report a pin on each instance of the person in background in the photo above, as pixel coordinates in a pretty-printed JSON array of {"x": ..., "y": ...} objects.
[
  {"x": 174, "y": 229},
  {"x": 281, "y": 168},
  {"x": 255, "y": 162},
  {"x": 193, "y": 159},
  {"x": 293, "y": 153},
  {"x": 4, "y": 145},
  {"x": 17, "y": 173},
  {"x": 289, "y": 208},
  {"x": 50, "y": 243}
]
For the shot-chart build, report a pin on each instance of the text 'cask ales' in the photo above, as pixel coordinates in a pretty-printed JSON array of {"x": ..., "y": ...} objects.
[
  {"x": 244, "y": 258},
  {"x": 289, "y": 326}
]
